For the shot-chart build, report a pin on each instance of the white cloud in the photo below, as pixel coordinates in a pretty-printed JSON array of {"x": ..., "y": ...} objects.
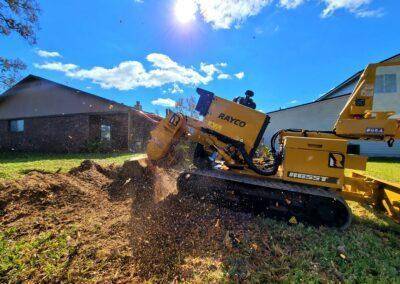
[
  {"x": 290, "y": 4},
  {"x": 223, "y": 14},
  {"x": 259, "y": 30},
  {"x": 353, "y": 6},
  {"x": 240, "y": 75},
  {"x": 175, "y": 89},
  {"x": 357, "y": 7},
  {"x": 56, "y": 66},
  {"x": 164, "y": 102},
  {"x": 129, "y": 75},
  {"x": 294, "y": 102},
  {"x": 267, "y": 30},
  {"x": 209, "y": 69},
  {"x": 224, "y": 76},
  {"x": 370, "y": 13},
  {"x": 221, "y": 74},
  {"x": 48, "y": 54}
]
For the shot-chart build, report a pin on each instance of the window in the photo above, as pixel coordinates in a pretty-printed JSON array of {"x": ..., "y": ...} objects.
[
  {"x": 17, "y": 125},
  {"x": 105, "y": 132},
  {"x": 138, "y": 146},
  {"x": 386, "y": 83}
]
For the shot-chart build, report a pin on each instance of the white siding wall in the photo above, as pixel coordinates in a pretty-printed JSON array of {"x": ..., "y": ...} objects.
[
  {"x": 322, "y": 115},
  {"x": 379, "y": 149},
  {"x": 347, "y": 89},
  {"x": 316, "y": 116}
]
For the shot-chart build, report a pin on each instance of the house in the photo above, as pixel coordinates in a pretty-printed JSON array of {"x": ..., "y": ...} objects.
[
  {"x": 44, "y": 116},
  {"x": 323, "y": 113}
]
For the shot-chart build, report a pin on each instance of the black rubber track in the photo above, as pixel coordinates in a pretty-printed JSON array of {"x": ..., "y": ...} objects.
[{"x": 272, "y": 198}]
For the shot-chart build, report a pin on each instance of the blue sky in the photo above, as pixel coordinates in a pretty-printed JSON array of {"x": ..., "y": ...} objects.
[{"x": 157, "y": 51}]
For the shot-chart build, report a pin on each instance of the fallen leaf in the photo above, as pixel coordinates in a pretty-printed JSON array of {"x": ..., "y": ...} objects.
[
  {"x": 254, "y": 246},
  {"x": 293, "y": 220}
]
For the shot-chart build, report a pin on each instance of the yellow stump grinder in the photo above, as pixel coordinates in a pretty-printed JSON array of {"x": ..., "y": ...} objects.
[{"x": 309, "y": 173}]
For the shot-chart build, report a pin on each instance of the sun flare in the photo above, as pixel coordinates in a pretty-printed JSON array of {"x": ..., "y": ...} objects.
[{"x": 185, "y": 11}]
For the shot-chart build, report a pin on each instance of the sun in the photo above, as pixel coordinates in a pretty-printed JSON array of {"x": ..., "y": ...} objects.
[{"x": 185, "y": 11}]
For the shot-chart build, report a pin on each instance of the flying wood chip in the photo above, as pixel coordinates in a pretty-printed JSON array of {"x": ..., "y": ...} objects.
[{"x": 293, "y": 220}]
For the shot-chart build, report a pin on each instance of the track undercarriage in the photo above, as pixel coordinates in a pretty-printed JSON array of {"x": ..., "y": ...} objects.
[{"x": 269, "y": 197}]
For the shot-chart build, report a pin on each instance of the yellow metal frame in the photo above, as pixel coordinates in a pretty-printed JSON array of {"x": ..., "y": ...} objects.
[{"x": 382, "y": 194}]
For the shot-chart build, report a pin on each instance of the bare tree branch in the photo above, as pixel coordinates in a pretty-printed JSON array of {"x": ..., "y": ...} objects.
[
  {"x": 21, "y": 17},
  {"x": 9, "y": 70},
  {"x": 187, "y": 106}
]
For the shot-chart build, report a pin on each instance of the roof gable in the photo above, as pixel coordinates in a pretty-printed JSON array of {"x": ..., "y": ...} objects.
[
  {"x": 32, "y": 78},
  {"x": 34, "y": 96}
]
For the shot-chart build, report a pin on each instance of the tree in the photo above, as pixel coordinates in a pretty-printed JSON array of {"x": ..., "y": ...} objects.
[
  {"x": 187, "y": 106},
  {"x": 21, "y": 17},
  {"x": 9, "y": 70}
]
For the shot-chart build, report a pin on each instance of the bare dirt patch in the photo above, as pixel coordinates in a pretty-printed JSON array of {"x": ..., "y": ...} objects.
[
  {"x": 125, "y": 227},
  {"x": 78, "y": 202}
]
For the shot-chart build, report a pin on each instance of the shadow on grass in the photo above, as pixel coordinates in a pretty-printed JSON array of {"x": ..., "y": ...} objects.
[
  {"x": 382, "y": 223},
  {"x": 385, "y": 160}
]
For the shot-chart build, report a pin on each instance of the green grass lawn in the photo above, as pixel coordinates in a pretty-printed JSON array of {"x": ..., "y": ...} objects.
[
  {"x": 388, "y": 169},
  {"x": 15, "y": 165}
]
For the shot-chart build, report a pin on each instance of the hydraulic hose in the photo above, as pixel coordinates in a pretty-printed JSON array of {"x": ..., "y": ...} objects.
[
  {"x": 252, "y": 166},
  {"x": 249, "y": 158}
]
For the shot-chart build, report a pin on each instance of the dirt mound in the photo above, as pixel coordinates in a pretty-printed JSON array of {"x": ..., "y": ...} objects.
[
  {"x": 76, "y": 207},
  {"x": 38, "y": 190},
  {"x": 130, "y": 223},
  {"x": 28, "y": 203}
]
